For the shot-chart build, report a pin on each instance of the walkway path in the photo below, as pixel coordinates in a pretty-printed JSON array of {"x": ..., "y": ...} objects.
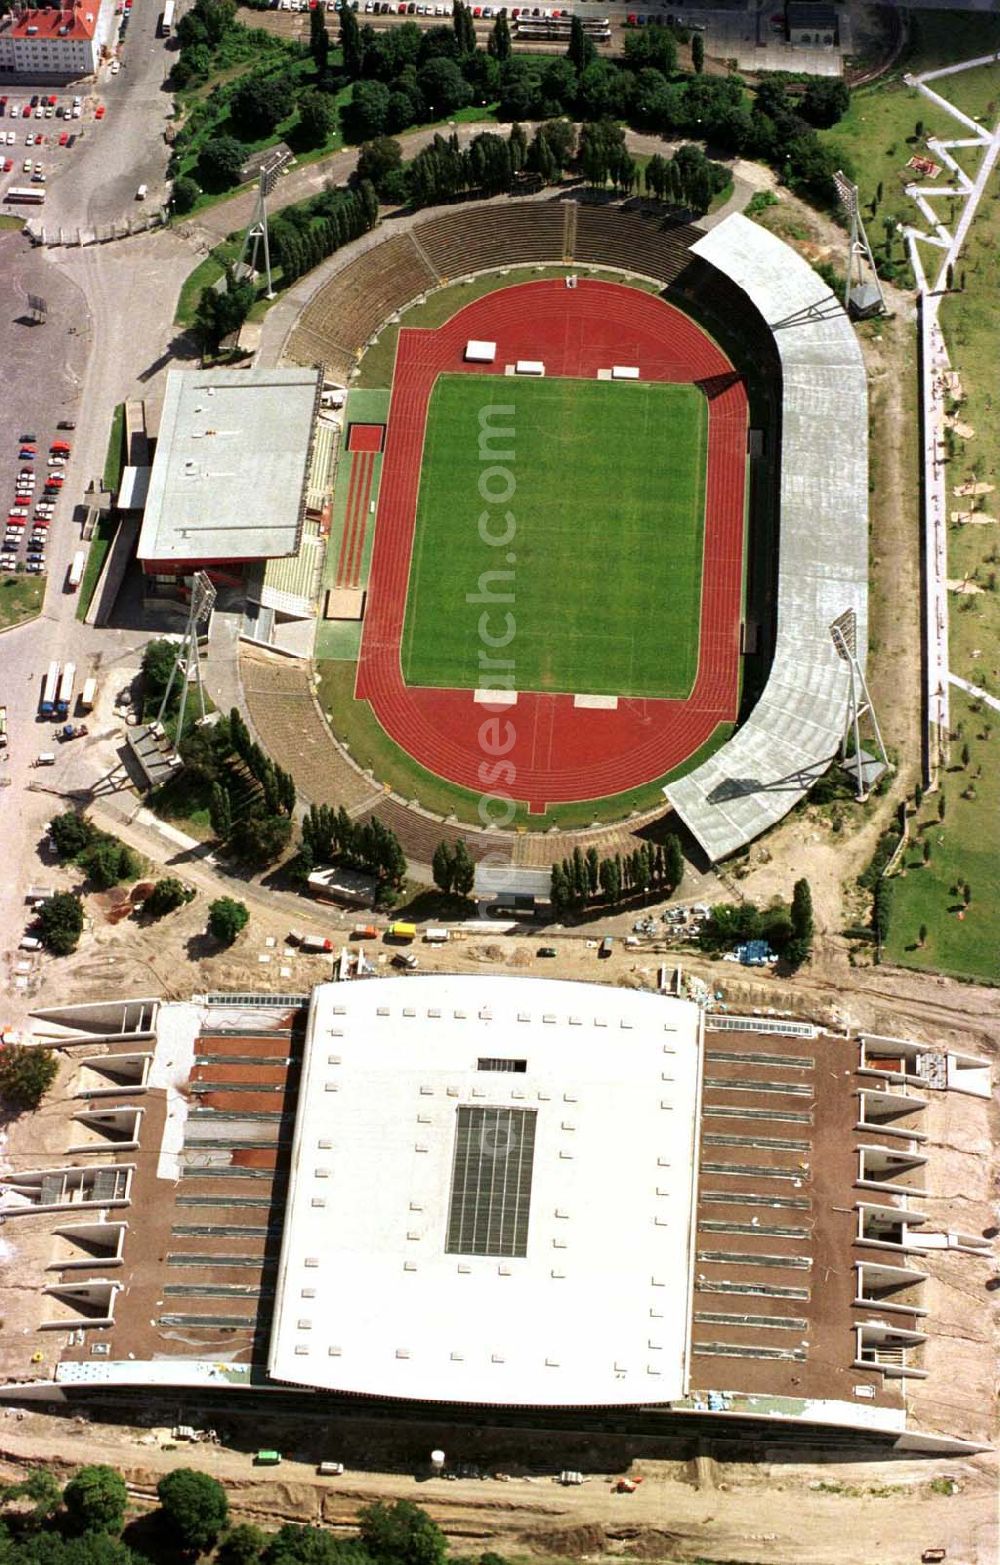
[
  {"x": 934, "y": 366},
  {"x": 975, "y": 692}
]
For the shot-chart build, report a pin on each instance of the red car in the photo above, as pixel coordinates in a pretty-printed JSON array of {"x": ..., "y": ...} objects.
[
  {"x": 8, "y": 164},
  {"x": 99, "y": 112},
  {"x": 26, "y": 112},
  {"x": 64, "y": 137}
]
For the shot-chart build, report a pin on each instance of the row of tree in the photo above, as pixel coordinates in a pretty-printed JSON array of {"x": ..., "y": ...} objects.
[
  {"x": 585, "y": 879},
  {"x": 302, "y": 236},
  {"x": 330, "y": 836},
  {"x": 453, "y": 868}
]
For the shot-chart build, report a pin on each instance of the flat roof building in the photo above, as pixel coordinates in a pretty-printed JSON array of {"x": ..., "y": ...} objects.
[
  {"x": 54, "y": 42},
  {"x": 228, "y": 482},
  {"x": 503, "y": 1191}
]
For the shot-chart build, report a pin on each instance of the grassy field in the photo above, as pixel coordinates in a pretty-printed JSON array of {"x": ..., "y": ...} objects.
[
  {"x": 20, "y": 599},
  {"x": 963, "y": 852},
  {"x": 114, "y": 461},
  {"x": 355, "y": 724},
  {"x": 609, "y": 516},
  {"x": 96, "y": 556}
]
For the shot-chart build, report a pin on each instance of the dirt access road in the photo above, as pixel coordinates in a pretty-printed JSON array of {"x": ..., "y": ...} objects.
[{"x": 778, "y": 1513}]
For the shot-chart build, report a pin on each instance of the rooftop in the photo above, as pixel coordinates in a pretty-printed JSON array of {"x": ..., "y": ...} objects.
[
  {"x": 491, "y": 1194},
  {"x": 56, "y": 22},
  {"x": 232, "y": 459}
]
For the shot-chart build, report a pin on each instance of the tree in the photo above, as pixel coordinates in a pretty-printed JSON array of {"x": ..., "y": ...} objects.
[
  {"x": 918, "y": 796},
  {"x": 401, "y": 1534},
  {"x": 219, "y": 312},
  {"x": 824, "y": 102},
  {"x": 184, "y": 193},
  {"x": 157, "y": 666},
  {"x": 108, "y": 861},
  {"x": 799, "y": 946},
  {"x": 220, "y": 813},
  {"x": 71, "y": 833},
  {"x": 194, "y": 1504},
  {"x": 220, "y": 162},
  {"x": 444, "y": 87},
  {"x": 367, "y": 115},
  {"x": 442, "y": 866},
  {"x": 652, "y": 45},
  {"x": 379, "y": 162},
  {"x": 243, "y": 1545},
  {"x": 26, "y": 1074},
  {"x": 166, "y": 896},
  {"x": 226, "y": 917},
  {"x": 293, "y": 1544},
  {"x": 319, "y": 40},
  {"x": 966, "y": 756},
  {"x": 499, "y": 44},
  {"x": 464, "y": 28},
  {"x": 259, "y": 104},
  {"x": 927, "y": 850},
  {"x": 967, "y": 894},
  {"x": 60, "y": 922},
  {"x": 258, "y": 840},
  {"x": 317, "y": 113},
  {"x": 350, "y": 43},
  {"x": 698, "y": 54},
  {"x": 95, "y": 1499},
  {"x": 463, "y": 869},
  {"x": 942, "y": 807},
  {"x": 581, "y": 49}
]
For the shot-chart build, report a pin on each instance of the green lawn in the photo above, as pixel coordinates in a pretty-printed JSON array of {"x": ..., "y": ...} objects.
[
  {"x": 20, "y": 599},
  {"x": 104, "y": 532},
  {"x": 963, "y": 847},
  {"x": 605, "y": 563},
  {"x": 114, "y": 461}
]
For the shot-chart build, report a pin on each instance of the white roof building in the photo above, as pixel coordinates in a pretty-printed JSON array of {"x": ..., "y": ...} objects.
[{"x": 491, "y": 1194}]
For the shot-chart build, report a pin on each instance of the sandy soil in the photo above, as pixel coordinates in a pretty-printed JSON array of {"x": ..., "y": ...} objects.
[{"x": 773, "y": 1512}]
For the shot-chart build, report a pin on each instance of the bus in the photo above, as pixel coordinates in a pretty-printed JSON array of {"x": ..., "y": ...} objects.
[
  {"x": 47, "y": 705},
  {"x": 167, "y": 19},
  {"x": 65, "y": 695},
  {"x": 28, "y": 195},
  {"x": 76, "y": 569}
]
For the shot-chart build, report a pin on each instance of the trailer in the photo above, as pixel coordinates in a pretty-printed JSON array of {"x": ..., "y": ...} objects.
[
  {"x": 65, "y": 694},
  {"x": 50, "y": 689},
  {"x": 88, "y": 694},
  {"x": 76, "y": 569}
]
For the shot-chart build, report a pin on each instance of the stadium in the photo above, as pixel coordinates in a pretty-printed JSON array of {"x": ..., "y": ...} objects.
[
  {"x": 591, "y": 533},
  {"x": 477, "y": 1199}
]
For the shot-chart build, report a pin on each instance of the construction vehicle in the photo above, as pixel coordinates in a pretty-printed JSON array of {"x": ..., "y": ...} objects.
[{"x": 72, "y": 731}]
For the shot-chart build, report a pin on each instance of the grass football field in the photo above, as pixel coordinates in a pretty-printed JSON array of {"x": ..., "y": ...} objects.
[{"x": 605, "y": 556}]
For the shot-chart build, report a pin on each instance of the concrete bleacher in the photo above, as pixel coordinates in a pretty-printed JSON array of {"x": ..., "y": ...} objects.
[
  {"x": 796, "y": 727},
  {"x": 633, "y": 240},
  {"x": 479, "y": 239},
  {"x": 340, "y": 317}
]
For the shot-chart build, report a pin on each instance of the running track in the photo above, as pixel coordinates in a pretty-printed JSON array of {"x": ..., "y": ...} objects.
[
  {"x": 352, "y": 544},
  {"x": 559, "y": 753}
]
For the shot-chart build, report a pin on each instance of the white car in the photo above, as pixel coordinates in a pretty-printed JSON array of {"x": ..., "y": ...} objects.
[
  {"x": 39, "y": 113},
  {"x": 49, "y": 112},
  {"x": 29, "y": 140},
  {"x": 77, "y": 111},
  {"x": 26, "y": 166},
  {"x": 116, "y": 66}
]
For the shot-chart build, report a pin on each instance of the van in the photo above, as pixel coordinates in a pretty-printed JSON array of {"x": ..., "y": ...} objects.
[
  {"x": 604, "y": 949},
  {"x": 46, "y": 758},
  {"x": 140, "y": 194},
  {"x": 364, "y": 932}
]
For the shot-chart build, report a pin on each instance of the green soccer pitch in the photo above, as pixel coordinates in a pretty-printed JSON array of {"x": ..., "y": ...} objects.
[{"x": 606, "y": 556}]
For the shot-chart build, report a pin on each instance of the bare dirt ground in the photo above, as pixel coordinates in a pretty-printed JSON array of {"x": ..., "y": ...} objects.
[{"x": 770, "y": 1511}]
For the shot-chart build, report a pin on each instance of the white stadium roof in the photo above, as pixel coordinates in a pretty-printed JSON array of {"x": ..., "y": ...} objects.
[{"x": 491, "y": 1194}]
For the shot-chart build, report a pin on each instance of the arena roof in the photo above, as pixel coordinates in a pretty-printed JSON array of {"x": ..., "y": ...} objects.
[
  {"x": 797, "y": 725},
  {"x": 491, "y": 1194},
  {"x": 231, "y": 463}
]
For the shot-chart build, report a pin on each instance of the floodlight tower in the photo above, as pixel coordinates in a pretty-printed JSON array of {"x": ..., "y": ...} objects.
[
  {"x": 266, "y": 180},
  {"x": 187, "y": 660},
  {"x": 859, "y": 250},
  {"x": 844, "y": 632}
]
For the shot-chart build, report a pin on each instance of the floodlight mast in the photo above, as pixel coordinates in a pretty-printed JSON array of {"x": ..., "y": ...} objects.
[
  {"x": 187, "y": 660},
  {"x": 844, "y": 632},
  {"x": 858, "y": 247},
  {"x": 257, "y": 230}
]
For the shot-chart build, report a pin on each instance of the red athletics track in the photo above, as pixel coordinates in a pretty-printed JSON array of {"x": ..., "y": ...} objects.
[{"x": 559, "y": 752}]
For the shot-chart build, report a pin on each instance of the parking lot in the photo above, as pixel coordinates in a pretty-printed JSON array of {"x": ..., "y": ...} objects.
[
  {"x": 39, "y": 135},
  {"x": 38, "y": 486}
]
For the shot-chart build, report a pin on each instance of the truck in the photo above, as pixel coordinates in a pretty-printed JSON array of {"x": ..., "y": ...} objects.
[
  {"x": 88, "y": 694},
  {"x": 605, "y": 947},
  {"x": 76, "y": 569},
  {"x": 50, "y": 688},
  {"x": 315, "y": 943},
  {"x": 65, "y": 695},
  {"x": 401, "y": 931},
  {"x": 167, "y": 19},
  {"x": 437, "y": 937}
]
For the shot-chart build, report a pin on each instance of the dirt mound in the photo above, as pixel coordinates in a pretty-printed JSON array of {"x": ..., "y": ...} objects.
[{"x": 571, "y": 1543}]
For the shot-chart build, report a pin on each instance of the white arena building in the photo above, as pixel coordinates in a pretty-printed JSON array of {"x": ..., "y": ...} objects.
[{"x": 491, "y": 1194}]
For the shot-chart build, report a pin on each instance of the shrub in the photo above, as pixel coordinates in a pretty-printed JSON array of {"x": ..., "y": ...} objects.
[
  {"x": 60, "y": 922},
  {"x": 185, "y": 193},
  {"x": 26, "y": 1074},
  {"x": 167, "y": 895},
  {"x": 108, "y": 861},
  {"x": 226, "y": 917},
  {"x": 71, "y": 834}
]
